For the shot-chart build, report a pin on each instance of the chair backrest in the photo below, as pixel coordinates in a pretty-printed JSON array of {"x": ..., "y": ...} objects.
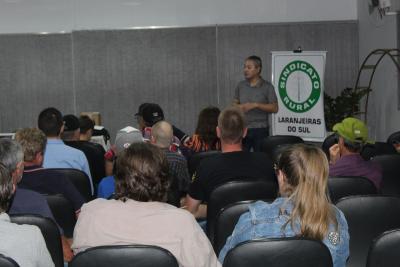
[
  {"x": 124, "y": 256},
  {"x": 63, "y": 212},
  {"x": 328, "y": 142},
  {"x": 393, "y": 137},
  {"x": 340, "y": 187},
  {"x": 384, "y": 250},
  {"x": 78, "y": 178},
  {"x": 7, "y": 262},
  {"x": 226, "y": 221},
  {"x": 272, "y": 144},
  {"x": 390, "y": 165},
  {"x": 367, "y": 218},
  {"x": 231, "y": 192},
  {"x": 49, "y": 231},
  {"x": 279, "y": 252},
  {"x": 378, "y": 148},
  {"x": 95, "y": 156},
  {"x": 195, "y": 159}
]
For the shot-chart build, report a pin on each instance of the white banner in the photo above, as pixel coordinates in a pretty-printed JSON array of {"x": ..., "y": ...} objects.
[{"x": 298, "y": 79}]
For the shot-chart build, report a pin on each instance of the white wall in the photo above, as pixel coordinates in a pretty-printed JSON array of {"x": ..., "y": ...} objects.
[
  {"x": 31, "y": 16},
  {"x": 374, "y": 32}
]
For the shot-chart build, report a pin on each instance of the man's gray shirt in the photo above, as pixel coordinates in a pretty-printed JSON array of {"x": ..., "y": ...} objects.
[{"x": 262, "y": 92}]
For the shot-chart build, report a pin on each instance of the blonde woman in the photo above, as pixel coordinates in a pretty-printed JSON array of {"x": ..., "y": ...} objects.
[{"x": 302, "y": 210}]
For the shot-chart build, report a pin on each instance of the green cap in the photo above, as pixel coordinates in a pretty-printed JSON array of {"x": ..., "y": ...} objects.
[{"x": 353, "y": 130}]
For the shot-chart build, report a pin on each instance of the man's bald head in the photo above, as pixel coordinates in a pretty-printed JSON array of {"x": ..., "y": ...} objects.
[{"x": 162, "y": 134}]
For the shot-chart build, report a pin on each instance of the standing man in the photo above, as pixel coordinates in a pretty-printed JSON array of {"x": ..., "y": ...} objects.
[{"x": 256, "y": 98}]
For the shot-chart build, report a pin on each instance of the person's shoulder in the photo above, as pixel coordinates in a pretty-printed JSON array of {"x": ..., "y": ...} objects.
[
  {"x": 263, "y": 210},
  {"x": 266, "y": 83},
  {"x": 107, "y": 180},
  {"x": 27, "y": 194},
  {"x": 96, "y": 205}
]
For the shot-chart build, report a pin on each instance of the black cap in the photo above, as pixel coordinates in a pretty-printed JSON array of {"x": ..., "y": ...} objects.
[
  {"x": 71, "y": 123},
  {"x": 140, "y": 110},
  {"x": 152, "y": 113}
]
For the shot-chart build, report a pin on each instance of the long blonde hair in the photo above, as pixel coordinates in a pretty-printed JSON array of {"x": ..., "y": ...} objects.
[{"x": 306, "y": 169}]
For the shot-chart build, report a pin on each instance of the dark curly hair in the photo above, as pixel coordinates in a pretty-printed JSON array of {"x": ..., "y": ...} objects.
[
  {"x": 206, "y": 125},
  {"x": 142, "y": 174}
]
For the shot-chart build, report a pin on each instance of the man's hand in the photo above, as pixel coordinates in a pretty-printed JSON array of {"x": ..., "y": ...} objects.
[
  {"x": 334, "y": 153},
  {"x": 247, "y": 106}
]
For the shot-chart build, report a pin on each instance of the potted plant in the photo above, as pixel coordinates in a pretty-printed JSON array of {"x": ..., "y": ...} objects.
[{"x": 347, "y": 104}]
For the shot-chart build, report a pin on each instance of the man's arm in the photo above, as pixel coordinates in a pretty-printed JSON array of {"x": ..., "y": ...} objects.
[
  {"x": 270, "y": 107},
  {"x": 195, "y": 207}
]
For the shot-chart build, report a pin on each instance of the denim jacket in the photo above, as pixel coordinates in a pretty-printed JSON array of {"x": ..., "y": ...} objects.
[{"x": 265, "y": 220}]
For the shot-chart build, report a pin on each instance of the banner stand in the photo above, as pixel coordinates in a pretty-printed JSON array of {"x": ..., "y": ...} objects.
[{"x": 298, "y": 78}]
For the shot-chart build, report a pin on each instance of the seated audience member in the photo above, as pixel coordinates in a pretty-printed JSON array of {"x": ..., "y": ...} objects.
[
  {"x": 57, "y": 154},
  {"x": 86, "y": 128},
  {"x": 71, "y": 130},
  {"x": 23, "y": 243},
  {"x": 161, "y": 136},
  {"x": 303, "y": 209},
  {"x": 233, "y": 163},
  {"x": 205, "y": 137},
  {"x": 125, "y": 137},
  {"x": 148, "y": 115},
  {"x": 26, "y": 201},
  {"x": 93, "y": 152},
  {"x": 138, "y": 215},
  {"x": 345, "y": 158},
  {"x": 35, "y": 177}
]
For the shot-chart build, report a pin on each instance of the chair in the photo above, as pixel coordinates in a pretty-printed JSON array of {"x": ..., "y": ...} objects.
[
  {"x": 367, "y": 218},
  {"x": 279, "y": 252},
  {"x": 328, "y": 142},
  {"x": 340, "y": 187},
  {"x": 63, "y": 212},
  {"x": 235, "y": 191},
  {"x": 272, "y": 144},
  {"x": 384, "y": 250},
  {"x": 195, "y": 159},
  {"x": 7, "y": 262},
  {"x": 78, "y": 178},
  {"x": 226, "y": 221},
  {"x": 370, "y": 151},
  {"x": 49, "y": 231},
  {"x": 124, "y": 256},
  {"x": 95, "y": 156},
  {"x": 390, "y": 165},
  {"x": 394, "y": 137}
]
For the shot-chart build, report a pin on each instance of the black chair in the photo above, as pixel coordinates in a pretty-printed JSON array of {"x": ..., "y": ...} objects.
[
  {"x": 370, "y": 151},
  {"x": 271, "y": 145},
  {"x": 384, "y": 250},
  {"x": 393, "y": 138},
  {"x": 7, "y": 262},
  {"x": 279, "y": 252},
  {"x": 95, "y": 156},
  {"x": 235, "y": 191},
  {"x": 328, "y": 142},
  {"x": 63, "y": 212},
  {"x": 195, "y": 159},
  {"x": 50, "y": 234},
  {"x": 78, "y": 178},
  {"x": 124, "y": 256},
  {"x": 390, "y": 165},
  {"x": 367, "y": 218},
  {"x": 226, "y": 221},
  {"x": 340, "y": 187}
]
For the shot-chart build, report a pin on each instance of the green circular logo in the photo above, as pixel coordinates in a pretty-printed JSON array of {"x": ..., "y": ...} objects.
[{"x": 300, "y": 105}]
